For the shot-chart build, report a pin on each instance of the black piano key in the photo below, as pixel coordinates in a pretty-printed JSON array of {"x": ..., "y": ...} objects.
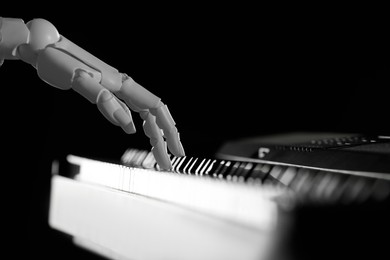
[
  {"x": 174, "y": 161},
  {"x": 196, "y": 166},
  {"x": 265, "y": 170},
  {"x": 340, "y": 190},
  {"x": 225, "y": 170},
  {"x": 274, "y": 176},
  {"x": 316, "y": 186},
  {"x": 260, "y": 171},
  {"x": 331, "y": 186},
  {"x": 187, "y": 165},
  {"x": 182, "y": 164},
  {"x": 336, "y": 187},
  {"x": 310, "y": 182},
  {"x": 356, "y": 185},
  {"x": 276, "y": 172},
  {"x": 242, "y": 171},
  {"x": 218, "y": 168},
  {"x": 288, "y": 176},
  {"x": 257, "y": 174},
  {"x": 205, "y": 165},
  {"x": 177, "y": 163},
  {"x": 245, "y": 171},
  {"x": 211, "y": 167},
  {"x": 191, "y": 167},
  {"x": 324, "y": 179},
  {"x": 300, "y": 179},
  {"x": 315, "y": 181},
  {"x": 356, "y": 189},
  {"x": 233, "y": 170}
]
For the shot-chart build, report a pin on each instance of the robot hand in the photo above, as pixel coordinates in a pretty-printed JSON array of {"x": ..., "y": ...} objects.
[{"x": 64, "y": 65}]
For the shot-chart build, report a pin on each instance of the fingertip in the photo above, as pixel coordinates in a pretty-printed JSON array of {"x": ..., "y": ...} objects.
[
  {"x": 162, "y": 159},
  {"x": 181, "y": 150},
  {"x": 125, "y": 121},
  {"x": 164, "y": 165},
  {"x": 130, "y": 129}
]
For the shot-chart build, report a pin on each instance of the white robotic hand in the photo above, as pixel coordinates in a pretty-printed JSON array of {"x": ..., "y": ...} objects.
[{"x": 64, "y": 65}]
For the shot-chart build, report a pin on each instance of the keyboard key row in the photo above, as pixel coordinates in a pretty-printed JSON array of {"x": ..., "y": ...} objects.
[{"x": 310, "y": 183}]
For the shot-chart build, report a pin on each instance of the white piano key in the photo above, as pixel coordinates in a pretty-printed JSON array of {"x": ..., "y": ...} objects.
[
  {"x": 125, "y": 226},
  {"x": 237, "y": 202}
]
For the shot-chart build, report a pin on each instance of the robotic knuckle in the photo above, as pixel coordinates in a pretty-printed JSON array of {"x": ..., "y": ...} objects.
[{"x": 42, "y": 33}]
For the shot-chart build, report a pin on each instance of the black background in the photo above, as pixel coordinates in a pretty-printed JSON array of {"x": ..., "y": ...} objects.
[{"x": 224, "y": 71}]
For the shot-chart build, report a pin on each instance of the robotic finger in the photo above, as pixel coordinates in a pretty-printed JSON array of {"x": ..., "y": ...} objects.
[
  {"x": 159, "y": 146},
  {"x": 115, "y": 112},
  {"x": 111, "y": 107},
  {"x": 139, "y": 99},
  {"x": 165, "y": 121}
]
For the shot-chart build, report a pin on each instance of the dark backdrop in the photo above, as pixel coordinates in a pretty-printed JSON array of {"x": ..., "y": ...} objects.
[{"x": 225, "y": 73}]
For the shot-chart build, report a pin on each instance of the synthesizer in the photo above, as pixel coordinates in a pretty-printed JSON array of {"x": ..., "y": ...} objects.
[{"x": 258, "y": 200}]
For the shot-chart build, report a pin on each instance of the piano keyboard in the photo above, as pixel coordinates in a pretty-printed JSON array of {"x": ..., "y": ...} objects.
[
  {"x": 236, "y": 202},
  {"x": 103, "y": 203},
  {"x": 311, "y": 184}
]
